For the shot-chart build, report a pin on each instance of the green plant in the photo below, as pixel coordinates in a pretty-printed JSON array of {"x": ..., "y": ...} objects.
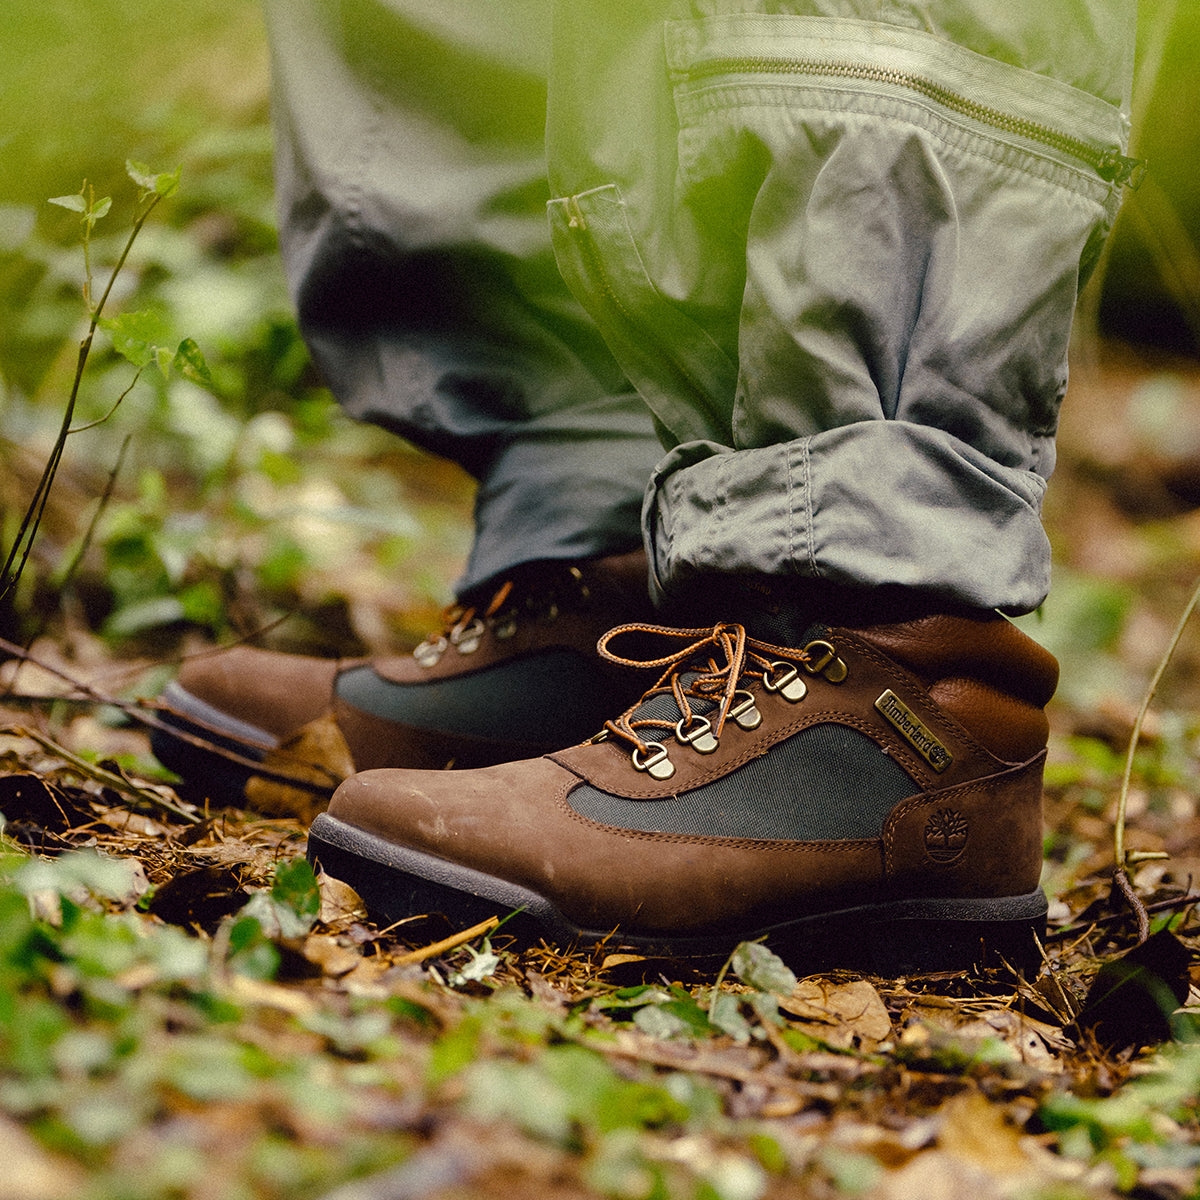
[{"x": 134, "y": 335}]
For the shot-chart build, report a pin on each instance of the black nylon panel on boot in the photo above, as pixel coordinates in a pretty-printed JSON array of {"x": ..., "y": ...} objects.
[
  {"x": 548, "y": 695},
  {"x": 827, "y": 782}
]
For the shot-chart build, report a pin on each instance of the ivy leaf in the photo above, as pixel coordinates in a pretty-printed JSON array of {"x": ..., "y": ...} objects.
[
  {"x": 296, "y": 889},
  {"x": 726, "y": 1014},
  {"x": 660, "y": 1022}
]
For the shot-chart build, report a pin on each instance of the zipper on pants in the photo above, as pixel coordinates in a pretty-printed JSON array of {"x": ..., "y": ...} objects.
[{"x": 1109, "y": 163}]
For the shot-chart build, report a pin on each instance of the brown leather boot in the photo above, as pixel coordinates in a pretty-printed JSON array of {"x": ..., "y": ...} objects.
[
  {"x": 869, "y": 799},
  {"x": 515, "y": 675}
]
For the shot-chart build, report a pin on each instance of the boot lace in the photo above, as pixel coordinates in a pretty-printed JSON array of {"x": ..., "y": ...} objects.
[
  {"x": 706, "y": 682},
  {"x": 464, "y": 626}
]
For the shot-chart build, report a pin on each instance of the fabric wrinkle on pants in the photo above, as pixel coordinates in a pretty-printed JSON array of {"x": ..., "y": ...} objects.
[
  {"x": 845, "y": 302},
  {"x": 412, "y": 195}
]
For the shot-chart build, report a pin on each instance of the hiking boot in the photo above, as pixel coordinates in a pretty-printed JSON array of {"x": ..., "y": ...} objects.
[
  {"x": 510, "y": 676},
  {"x": 869, "y": 799}
]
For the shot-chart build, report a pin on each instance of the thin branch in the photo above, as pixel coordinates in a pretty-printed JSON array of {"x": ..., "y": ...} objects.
[
  {"x": 1093, "y": 923},
  {"x": 116, "y": 404},
  {"x": 1135, "y": 902},
  {"x": 18, "y": 555},
  {"x": 72, "y": 570},
  {"x": 105, "y": 778},
  {"x": 143, "y": 712}
]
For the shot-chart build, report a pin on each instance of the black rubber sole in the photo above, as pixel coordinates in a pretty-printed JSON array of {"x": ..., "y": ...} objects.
[
  {"x": 887, "y": 939},
  {"x": 221, "y": 778}
]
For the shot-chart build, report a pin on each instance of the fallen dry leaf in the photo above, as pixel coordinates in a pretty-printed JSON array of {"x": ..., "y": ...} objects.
[
  {"x": 845, "y": 1014},
  {"x": 976, "y": 1131},
  {"x": 1037, "y": 1044},
  {"x": 316, "y": 754},
  {"x": 341, "y": 905},
  {"x": 328, "y": 954}
]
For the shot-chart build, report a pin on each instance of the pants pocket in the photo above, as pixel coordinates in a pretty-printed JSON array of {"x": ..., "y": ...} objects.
[{"x": 679, "y": 370}]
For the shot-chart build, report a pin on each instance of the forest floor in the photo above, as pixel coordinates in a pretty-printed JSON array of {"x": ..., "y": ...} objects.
[{"x": 185, "y": 1011}]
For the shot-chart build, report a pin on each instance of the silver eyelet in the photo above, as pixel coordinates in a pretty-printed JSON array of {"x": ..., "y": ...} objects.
[
  {"x": 658, "y": 765},
  {"x": 585, "y": 592},
  {"x": 745, "y": 713},
  {"x": 428, "y": 653},
  {"x": 788, "y": 684},
  {"x": 826, "y": 663},
  {"x": 699, "y": 736},
  {"x": 505, "y": 626},
  {"x": 466, "y": 638}
]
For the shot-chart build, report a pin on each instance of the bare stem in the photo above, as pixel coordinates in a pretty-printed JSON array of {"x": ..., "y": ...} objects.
[
  {"x": 1123, "y": 797},
  {"x": 18, "y": 555}
]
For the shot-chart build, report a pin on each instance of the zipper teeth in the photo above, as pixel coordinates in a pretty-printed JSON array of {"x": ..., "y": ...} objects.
[{"x": 1104, "y": 161}]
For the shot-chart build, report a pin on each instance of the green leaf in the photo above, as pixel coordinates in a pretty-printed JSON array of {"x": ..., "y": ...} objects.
[
  {"x": 726, "y": 1015},
  {"x": 73, "y": 203},
  {"x": 140, "y": 174},
  {"x": 251, "y": 953},
  {"x": 135, "y": 618},
  {"x": 203, "y": 603},
  {"x": 520, "y": 1093},
  {"x": 758, "y": 967},
  {"x": 850, "y": 1171},
  {"x": 100, "y": 208},
  {"x": 661, "y": 1022},
  {"x": 452, "y": 1052},
  {"x": 138, "y": 336},
  {"x": 111, "y": 878},
  {"x": 296, "y": 889},
  {"x": 157, "y": 183},
  {"x": 166, "y": 183},
  {"x": 190, "y": 363}
]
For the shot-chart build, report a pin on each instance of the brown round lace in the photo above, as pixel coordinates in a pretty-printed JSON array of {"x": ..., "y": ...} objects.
[
  {"x": 712, "y": 666},
  {"x": 463, "y": 625}
]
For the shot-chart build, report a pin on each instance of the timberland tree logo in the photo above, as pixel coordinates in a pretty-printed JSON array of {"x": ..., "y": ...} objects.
[
  {"x": 946, "y": 836},
  {"x": 912, "y": 730}
]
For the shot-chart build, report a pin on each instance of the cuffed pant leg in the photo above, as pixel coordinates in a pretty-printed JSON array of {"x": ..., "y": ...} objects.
[
  {"x": 412, "y": 192},
  {"x": 876, "y": 236}
]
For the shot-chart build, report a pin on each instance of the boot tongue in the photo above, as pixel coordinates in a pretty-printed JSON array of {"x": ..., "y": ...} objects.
[{"x": 661, "y": 706}]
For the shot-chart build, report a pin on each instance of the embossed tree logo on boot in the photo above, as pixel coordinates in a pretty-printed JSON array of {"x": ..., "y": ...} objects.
[{"x": 946, "y": 835}]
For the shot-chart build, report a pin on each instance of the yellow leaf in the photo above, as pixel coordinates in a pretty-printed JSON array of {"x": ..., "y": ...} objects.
[
  {"x": 845, "y": 1013},
  {"x": 976, "y": 1131},
  {"x": 315, "y": 754}
]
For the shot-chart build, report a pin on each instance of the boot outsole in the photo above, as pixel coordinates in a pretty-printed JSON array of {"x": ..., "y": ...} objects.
[
  {"x": 221, "y": 777},
  {"x": 886, "y": 939}
]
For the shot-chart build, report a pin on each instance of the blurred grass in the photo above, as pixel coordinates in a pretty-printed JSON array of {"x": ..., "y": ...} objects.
[
  {"x": 231, "y": 509},
  {"x": 83, "y": 86}
]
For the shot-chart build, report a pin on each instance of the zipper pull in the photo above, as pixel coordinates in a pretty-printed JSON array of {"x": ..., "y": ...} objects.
[{"x": 1120, "y": 170}]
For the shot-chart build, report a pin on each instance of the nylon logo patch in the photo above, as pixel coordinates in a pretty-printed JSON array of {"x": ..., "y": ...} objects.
[{"x": 910, "y": 727}]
